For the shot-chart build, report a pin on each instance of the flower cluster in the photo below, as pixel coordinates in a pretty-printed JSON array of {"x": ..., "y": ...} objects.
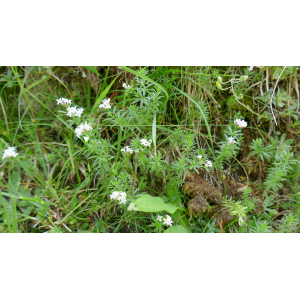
[
  {"x": 121, "y": 196},
  {"x": 63, "y": 101},
  {"x": 240, "y": 123},
  {"x": 73, "y": 111},
  {"x": 146, "y": 143},
  {"x": 208, "y": 164},
  {"x": 127, "y": 149},
  {"x": 231, "y": 141},
  {"x": 168, "y": 221},
  {"x": 10, "y": 152},
  {"x": 82, "y": 128},
  {"x": 105, "y": 104},
  {"x": 126, "y": 86}
]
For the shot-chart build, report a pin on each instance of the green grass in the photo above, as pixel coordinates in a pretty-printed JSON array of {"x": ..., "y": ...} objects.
[{"x": 60, "y": 183}]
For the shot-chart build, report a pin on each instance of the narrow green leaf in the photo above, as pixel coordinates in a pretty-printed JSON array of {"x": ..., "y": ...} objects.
[
  {"x": 103, "y": 95},
  {"x": 146, "y": 78}
]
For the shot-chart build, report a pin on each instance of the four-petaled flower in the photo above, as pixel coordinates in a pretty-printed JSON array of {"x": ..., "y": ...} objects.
[
  {"x": 86, "y": 138},
  {"x": 159, "y": 218}
]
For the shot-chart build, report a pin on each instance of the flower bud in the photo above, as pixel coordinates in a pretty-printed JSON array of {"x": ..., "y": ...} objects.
[
  {"x": 220, "y": 79},
  {"x": 243, "y": 78},
  {"x": 218, "y": 85}
]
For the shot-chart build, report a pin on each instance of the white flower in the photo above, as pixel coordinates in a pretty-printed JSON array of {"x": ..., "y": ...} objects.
[
  {"x": 145, "y": 142},
  {"x": 121, "y": 196},
  {"x": 127, "y": 149},
  {"x": 251, "y": 68},
  {"x": 86, "y": 138},
  {"x": 159, "y": 218},
  {"x": 137, "y": 150},
  {"x": 240, "y": 123},
  {"x": 231, "y": 141},
  {"x": 105, "y": 104},
  {"x": 63, "y": 101},
  {"x": 126, "y": 87},
  {"x": 73, "y": 111},
  {"x": 199, "y": 156},
  {"x": 82, "y": 128},
  {"x": 208, "y": 164},
  {"x": 10, "y": 152},
  {"x": 168, "y": 221}
]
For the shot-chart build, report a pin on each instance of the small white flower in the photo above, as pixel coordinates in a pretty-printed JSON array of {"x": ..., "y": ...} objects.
[
  {"x": 73, "y": 111},
  {"x": 10, "y": 152},
  {"x": 137, "y": 150},
  {"x": 231, "y": 141},
  {"x": 251, "y": 68},
  {"x": 121, "y": 196},
  {"x": 105, "y": 104},
  {"x": 208, "y": 164},
  {"x": 168, "y": 221},
  {"x": 127, "y": 149},
  {"x": 86, "y": 138},
  {"x": 199, "y": 156},
  {"x": 63, "y": 101},
  {"x": 126, "y": 87},
  {"x": 82, "y": 128},
  {"x": 145, "y": 142},
  {"x": 240, "y": 123},
  {"x": 159, "y": 218}
]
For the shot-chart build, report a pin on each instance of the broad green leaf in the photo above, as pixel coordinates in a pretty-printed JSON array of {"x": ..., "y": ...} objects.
[
  {"x": 174, "y": 198},
  {"x": 15, "y": 180},
  {"x": 177, "y": 229},
  {"x": 147, "y": 203}
]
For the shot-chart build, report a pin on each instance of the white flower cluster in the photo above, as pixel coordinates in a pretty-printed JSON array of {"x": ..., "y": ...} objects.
[
  {"x": 127, "y": 149},
  {"x": 199, "y": 156},
  {"x": 126, "y": 87},
  {"x": 208, "y": 164},
  {"x": 10, "y": 152},
  {"x": 167, "y": 220},
  {"x": 105, "y": 104},
  {"x": 82, "y": 128},
  {"x": 63, "y": 101},
  {"x": 73, "y": 111},
  {"x": 231, "y": 141},
  {"x": 240, "y": 123},
  {"x": 121, "y": 196},
  {"x": 145, "y": 143}
]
